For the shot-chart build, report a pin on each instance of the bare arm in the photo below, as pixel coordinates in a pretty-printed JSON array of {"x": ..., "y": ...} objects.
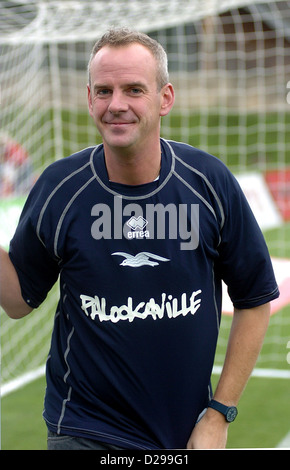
[
  {"x": 11, "y": 299},
  {"x": 247, "y": 334}
]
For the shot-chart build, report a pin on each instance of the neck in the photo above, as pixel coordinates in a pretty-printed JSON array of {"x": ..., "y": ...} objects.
[{"x": 133, "y": 168}]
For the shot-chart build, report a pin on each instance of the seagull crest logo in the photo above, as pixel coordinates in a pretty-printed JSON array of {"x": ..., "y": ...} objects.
[{"x": 141, "y": 259}]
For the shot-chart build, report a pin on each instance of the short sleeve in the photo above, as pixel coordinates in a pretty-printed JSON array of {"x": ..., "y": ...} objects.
[
  {"x": 37, "y": 269},
  {"x": 244, "y": 261}
]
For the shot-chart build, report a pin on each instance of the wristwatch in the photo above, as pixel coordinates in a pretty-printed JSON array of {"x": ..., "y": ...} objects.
[{"x": 229, "y": 412}]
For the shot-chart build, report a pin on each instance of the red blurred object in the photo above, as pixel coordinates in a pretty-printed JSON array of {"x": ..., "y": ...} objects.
[{"x": 279, "y": 185}]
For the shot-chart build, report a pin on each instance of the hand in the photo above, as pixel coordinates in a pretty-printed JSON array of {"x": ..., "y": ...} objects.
[{"x": 210, "y": 432}]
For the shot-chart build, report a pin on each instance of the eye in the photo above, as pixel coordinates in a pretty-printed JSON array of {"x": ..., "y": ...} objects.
[
  {"x": 135, "y": 91},
  {"x": 103, "y": 92}
]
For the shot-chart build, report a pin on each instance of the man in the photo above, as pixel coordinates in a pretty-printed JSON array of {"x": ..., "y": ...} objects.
[{"x": 141, "y": 231}]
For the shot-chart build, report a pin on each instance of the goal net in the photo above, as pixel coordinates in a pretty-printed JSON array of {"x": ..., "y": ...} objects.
[{"x": 229, "y": 61}]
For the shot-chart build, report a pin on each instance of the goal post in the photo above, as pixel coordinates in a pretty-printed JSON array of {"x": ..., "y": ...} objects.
[{"x": 229, "y": 62}]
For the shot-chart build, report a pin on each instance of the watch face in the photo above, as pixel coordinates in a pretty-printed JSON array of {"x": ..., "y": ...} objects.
[{"x": 231, "y": 414}]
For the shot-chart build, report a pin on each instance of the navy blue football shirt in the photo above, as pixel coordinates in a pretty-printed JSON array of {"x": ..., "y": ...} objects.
[{"x": 140, "y": 272}]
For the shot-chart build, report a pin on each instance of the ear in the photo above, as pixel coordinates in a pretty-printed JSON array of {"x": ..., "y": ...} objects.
[
  {"x": 167, "y": 99},
  {"x": 90, "y": 100}
]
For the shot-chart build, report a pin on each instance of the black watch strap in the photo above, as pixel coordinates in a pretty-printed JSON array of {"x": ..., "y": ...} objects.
[{"x": 229, "y": 412}]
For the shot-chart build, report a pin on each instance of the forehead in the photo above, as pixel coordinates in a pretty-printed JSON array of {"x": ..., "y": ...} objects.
[{"x": 130, "y": 60}]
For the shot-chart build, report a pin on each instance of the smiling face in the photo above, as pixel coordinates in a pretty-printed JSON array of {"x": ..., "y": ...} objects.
[{"x": 124, "y": 100}]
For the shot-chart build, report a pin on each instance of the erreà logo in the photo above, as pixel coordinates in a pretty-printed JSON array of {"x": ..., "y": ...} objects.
[{"x": 137, "y": 224}]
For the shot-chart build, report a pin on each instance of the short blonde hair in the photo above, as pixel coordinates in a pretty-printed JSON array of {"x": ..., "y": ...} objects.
[{"x": 117, "y": 37}]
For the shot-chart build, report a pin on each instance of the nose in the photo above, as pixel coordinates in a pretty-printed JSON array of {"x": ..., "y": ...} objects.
[{"x": 117, "y": 103}]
